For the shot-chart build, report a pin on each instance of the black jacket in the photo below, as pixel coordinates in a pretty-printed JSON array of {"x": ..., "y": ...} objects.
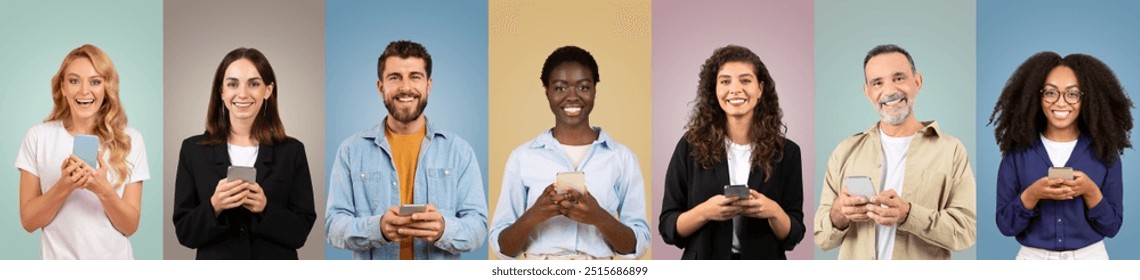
[
  {"x": 687, "y": 184},
  {"x": 275, "y": 233}
]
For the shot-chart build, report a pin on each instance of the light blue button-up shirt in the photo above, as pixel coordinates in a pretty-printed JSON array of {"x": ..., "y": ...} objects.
[
  {"x": 364, "y": 184},
  {"x": 613, "y": 177}
]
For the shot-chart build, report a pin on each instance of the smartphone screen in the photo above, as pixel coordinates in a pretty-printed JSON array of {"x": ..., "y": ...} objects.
[
  {"x": 244, "y": 173},
  {"x": 409, "y": 209},
  {"x": 575, "y": 180},
  {"x": 738, "y": 191},
  {"x": 860, "y": 186},
  {"x": 86, "y": 147},
  {"x": 1061, "y": 173}
]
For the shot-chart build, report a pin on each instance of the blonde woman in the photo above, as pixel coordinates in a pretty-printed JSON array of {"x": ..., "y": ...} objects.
[{"x": 84, "y": 211}]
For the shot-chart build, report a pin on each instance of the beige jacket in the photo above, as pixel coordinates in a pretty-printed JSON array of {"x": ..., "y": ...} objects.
[{"x": 938, "y": 184}]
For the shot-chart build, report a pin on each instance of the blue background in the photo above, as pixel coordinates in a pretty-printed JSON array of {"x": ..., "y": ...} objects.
[
  {"x": 454, "y": 33},
  {"x": 1011, "y": 31}
]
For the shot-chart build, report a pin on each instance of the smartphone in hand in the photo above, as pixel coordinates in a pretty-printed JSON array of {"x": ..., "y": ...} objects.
[
  {"x": 737, "y": 191},
  {"x": 86, "y": 148},
  {"x": 574, "y": 180},
  {"x": 409, "y": 209},
  {"x": 1061, "y": 173},
  {"x": 244, "y": 173},
  {"x": 860, "y": 186}
]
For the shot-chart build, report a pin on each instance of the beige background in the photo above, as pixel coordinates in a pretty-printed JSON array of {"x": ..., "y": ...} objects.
[
  {"x": 524, "y": 33},
  {"x": 197, "y": 35}
]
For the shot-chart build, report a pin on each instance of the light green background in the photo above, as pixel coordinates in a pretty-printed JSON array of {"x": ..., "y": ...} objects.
[
  {"x": 35, "y": 37},
  {"x": 940, "y": 36}
]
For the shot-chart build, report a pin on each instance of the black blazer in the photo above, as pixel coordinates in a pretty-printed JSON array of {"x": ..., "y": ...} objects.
[
  {"x": 687, "y": 184},
  {"x": 275, "y": 233}
]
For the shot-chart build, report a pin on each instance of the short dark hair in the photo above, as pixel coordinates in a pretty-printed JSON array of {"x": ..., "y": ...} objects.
[
  {"x": 569, "y": 54},
  {"x": 267, "y": 127},
  {"x": 403, "y": 49},
  {"x": 885, "y": 49}
]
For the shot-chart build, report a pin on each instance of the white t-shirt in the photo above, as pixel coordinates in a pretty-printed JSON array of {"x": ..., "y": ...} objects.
[
  {"x": 81, "y": 229},
  {"x": 1059, "y": 152},
  {"x": 242, "y": 155},
  {"x": 739, "y": 167},
  {"x": 576, "y": 153},
  {"x": 894, "y": 170}
]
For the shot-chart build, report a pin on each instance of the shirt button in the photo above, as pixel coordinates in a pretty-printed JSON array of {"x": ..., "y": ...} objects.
[
  {"x": 446, "y": 172},
  {"x": 1058, "y": 240},
  {"x": 394, "y": 183},
  {"x": 1058, "y": 220}
]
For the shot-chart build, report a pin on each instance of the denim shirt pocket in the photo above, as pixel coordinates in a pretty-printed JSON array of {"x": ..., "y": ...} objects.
[
  {"x": 441, "y": 184},
  {"x": 376, "y": 189}
]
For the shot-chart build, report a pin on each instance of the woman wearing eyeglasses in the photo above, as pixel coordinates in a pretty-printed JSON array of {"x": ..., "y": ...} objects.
[{"x": 1040, "y": 125}]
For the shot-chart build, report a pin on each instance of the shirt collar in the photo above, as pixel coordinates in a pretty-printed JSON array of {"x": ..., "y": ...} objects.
[
  {"x": 929, "y": 128},
  {"x": 376, "y": 133},
  {"x": 547, "y": 141}
]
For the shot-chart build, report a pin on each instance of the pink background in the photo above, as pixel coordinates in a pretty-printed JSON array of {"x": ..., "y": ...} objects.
[{"x": 685, "y": 33}]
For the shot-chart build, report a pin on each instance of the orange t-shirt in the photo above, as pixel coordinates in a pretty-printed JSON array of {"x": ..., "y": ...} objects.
[{"x": 406, "y": 154}]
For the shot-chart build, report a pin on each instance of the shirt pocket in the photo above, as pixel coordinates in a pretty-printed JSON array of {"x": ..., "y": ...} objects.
[
  {"x": 441, "y": 184},
  {"x": 376, "y": 189},
  {"x": 532, "y": 188},
  {"x": 933, "y": 191}
]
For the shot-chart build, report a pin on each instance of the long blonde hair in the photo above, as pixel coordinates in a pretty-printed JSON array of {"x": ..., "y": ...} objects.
[{"x": 113, "y": 120}]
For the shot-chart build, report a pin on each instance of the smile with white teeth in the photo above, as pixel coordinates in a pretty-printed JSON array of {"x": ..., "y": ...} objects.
[
  {"x": 243, "y": 105},
  {"x": 736, "y": 101},
  {"x": 892, "y": 102},
  {"x": 572, "y": 110},
  {"x": 1061, "y": 114},
  {"x": 85, "y": 101}
]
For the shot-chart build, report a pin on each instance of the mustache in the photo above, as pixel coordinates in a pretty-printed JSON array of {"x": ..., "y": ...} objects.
[
  {"x": 403, "y": 94},
  {"x": 892, "y": 97}
]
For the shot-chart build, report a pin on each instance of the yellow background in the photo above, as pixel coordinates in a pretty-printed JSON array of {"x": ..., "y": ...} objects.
[{"x": 524, "y": 33}]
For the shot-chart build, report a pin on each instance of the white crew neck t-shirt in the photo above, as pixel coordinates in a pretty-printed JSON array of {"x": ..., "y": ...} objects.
[
  {"x": 894, "y": 170},
  {"x": 242, "y": 155},
  {"x": 1059, "y": 152},
  {"x": 739, "y": 168},
  {"x": 81, "y": 229}
]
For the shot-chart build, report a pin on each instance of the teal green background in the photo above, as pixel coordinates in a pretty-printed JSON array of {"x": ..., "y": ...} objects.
[
  {"x": 939, "y": 35},
  {"x": 36, "y": 35}
]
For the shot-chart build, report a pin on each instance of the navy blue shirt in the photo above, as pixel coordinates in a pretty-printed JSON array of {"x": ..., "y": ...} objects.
[{"x": 1058, "y": 225}]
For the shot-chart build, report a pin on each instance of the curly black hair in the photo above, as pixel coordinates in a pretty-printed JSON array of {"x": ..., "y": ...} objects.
[
  {"x": 707, "y": 126},
  {"x": 1105, "y": 108}
]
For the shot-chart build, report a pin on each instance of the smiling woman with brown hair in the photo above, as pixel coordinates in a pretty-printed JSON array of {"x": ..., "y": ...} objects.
[
  {"x": 735, "y": 136},
  {"x": 223, "y": 217}
]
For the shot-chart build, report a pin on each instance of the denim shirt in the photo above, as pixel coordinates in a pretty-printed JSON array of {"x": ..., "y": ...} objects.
[
  {"x": 613, "y": 177},
  {"x": 364, "y": 184}
]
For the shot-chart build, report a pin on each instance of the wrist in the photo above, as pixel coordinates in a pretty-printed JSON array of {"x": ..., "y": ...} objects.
[{"x": 838, "y": 220}]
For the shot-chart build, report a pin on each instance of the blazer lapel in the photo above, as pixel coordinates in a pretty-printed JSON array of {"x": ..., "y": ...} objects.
[
  {"x": 264, "y": 162},
  {"x": 221, "y": 160}
]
